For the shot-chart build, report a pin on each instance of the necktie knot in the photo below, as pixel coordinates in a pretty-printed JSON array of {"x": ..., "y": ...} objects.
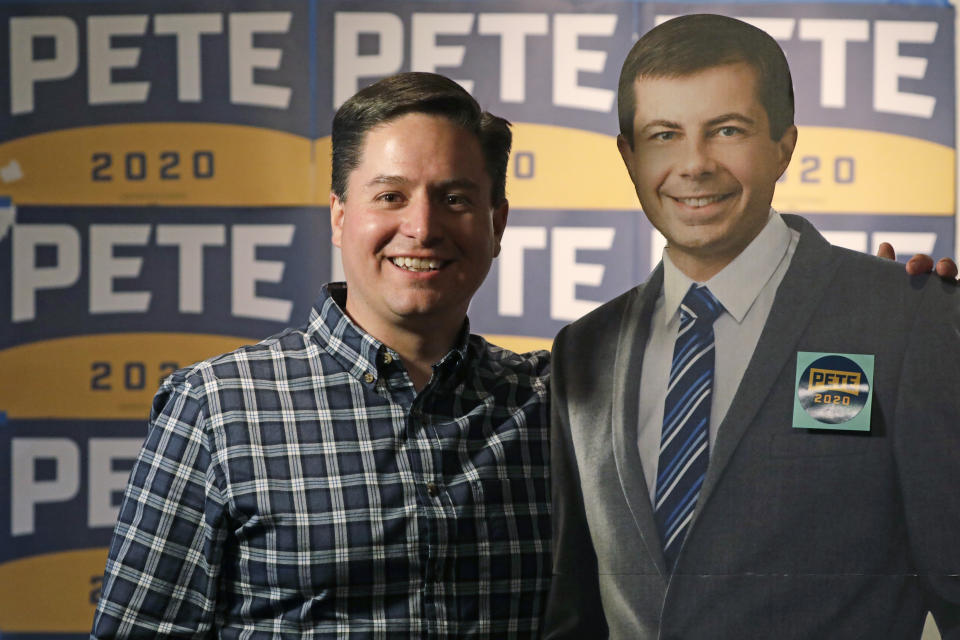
[{"x": 700, "y": 305}]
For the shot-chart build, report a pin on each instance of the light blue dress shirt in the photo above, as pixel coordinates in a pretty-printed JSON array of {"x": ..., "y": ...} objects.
[{"x": 746, "y": 288}]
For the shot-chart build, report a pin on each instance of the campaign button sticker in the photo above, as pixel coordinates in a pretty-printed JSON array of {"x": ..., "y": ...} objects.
[{"x": 834, "y": 391}]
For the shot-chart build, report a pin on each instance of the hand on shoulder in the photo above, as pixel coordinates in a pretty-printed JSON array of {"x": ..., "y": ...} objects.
[{"x": 922, "y": 263}]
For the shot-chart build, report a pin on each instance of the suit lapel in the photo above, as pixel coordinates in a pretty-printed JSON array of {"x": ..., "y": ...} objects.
[
  {"x": 634, "y": 329},
  {"x": 795, "y": 303}
]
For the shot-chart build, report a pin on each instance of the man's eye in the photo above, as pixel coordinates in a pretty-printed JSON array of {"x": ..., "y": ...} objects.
[
  {"x": 665, "y": 135},
  {"x": 456, "y": 200},
  {"x": 389, "y": 198},
  {"x": 726, "y": 132}
]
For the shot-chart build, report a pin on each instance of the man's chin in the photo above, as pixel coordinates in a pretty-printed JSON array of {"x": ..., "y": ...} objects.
[{"x": 421, "y": 307}]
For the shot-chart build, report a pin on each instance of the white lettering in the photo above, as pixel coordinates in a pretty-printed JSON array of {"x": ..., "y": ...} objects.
[
  {"x": 566, "y": 273},
  {"x": 348, "y": 65},
  {"x": 104, "y": 481},
  {"x": 513, "y": 29},
  {"x": 191, "y": 239},
  {"x": 569, "y": 60},
  {"x": 890, "y": 66},
  {"x": 25, "y": 70},
  {"x": 834, "y": 34},
  {"x": 188, "y": 27},
  {"x": 27, "y": 492},
  {"x": 48, "y": 256},
  {"x": 28, "y": 277},
  {"x": 853, "y": 240},
  {"x": 102, "y": 59},
  {"x": 426, "y": 54},
  {"x": 245, "y": 58},
  {"x": 247, "y": 271},
  {"x": 336, "y": 265},
  {"x": 516, "y": 240},
  {"x": 105, "y": 267},
  {"x": 906, "y": 242},
  {"x": 778, "y": 28}
]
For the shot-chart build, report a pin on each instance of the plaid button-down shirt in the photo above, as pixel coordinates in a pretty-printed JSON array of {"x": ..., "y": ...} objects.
[{"x": 301, "y": 488}]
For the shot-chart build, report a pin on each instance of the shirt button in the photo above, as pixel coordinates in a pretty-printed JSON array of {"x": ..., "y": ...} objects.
[
  {"x": 368, "y": 378},
  {"x": 387, "y": 358},
  {"x": 432, "y": 489}
]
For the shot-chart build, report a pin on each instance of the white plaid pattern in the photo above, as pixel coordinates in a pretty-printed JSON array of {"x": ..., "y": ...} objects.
[{"x": 280, "y": 495}]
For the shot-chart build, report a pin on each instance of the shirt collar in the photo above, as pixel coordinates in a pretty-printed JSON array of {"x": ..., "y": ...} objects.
[
  {"x": 739, "y": 283},
  {"x": 356, "y": 350}
]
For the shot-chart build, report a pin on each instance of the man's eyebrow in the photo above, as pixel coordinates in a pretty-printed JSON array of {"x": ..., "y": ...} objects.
[
  {"x": 387, "y": 180},
  {"x": 727, "y": 117},
  {"x": 669, "y": 124},
  {"x": 456, "y": 183}
]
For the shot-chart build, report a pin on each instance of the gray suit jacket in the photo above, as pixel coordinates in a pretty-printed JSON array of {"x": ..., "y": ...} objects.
[{"x": 797, "y": 533}]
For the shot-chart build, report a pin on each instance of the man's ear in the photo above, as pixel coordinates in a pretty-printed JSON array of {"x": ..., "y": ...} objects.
[
  {"x": 336, "y": 219},
  {"x": 499, "y": 224},
  {"x": 626, "y": 153},
  {"x": 786, "y": 144}
]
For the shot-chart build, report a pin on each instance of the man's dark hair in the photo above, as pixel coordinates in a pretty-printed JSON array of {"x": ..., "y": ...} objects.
[
  {"x": 417, "y": 92},
  {"x": 688, "y": 44}
]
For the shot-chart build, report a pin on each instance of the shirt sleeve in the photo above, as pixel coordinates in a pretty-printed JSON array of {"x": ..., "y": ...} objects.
[{"x": 162, "y": 569}]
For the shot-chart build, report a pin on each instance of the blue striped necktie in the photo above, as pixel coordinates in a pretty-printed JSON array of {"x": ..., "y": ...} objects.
[{"x": 685, "y": 437}]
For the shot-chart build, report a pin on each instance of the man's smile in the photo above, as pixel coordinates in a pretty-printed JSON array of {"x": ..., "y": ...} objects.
[
  {"x": 700, "y": 201},
  {"x": 409, "y": 263}
]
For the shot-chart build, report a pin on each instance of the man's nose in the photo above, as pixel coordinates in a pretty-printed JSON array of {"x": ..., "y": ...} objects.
[
  {"x": 422, "y": 221},
  {"x": 696, "y": 159}
]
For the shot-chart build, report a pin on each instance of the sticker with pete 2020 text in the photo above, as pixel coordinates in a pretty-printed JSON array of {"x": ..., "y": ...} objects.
[{"x": 834, "y": 391}]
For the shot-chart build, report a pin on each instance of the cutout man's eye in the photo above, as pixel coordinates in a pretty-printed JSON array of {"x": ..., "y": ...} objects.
[{"x": 726, "y": 132}]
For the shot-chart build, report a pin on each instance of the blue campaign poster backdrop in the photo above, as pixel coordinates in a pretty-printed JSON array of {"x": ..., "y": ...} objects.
[{"x": 164, "y": 180}]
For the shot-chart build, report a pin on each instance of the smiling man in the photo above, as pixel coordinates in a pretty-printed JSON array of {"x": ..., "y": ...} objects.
[
  {"x": 378, "y": 472},
  {"x": 410, "y": 270},
  {"x": 762, "y": 440}
]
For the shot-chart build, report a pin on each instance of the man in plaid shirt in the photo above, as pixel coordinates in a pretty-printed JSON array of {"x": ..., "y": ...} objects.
[{"x": 378, "y": 472}]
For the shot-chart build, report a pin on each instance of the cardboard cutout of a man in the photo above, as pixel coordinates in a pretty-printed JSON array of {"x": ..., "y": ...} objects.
[{"x": 763, "y": 439}]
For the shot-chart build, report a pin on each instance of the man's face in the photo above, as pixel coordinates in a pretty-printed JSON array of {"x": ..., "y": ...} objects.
[
  {"x": 417, "y": 229},
  {"x": 703, "y": 163}
]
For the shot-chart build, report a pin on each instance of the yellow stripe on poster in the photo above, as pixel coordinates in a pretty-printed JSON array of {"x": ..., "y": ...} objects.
[
  {"x": 833, "y": 171},
  {"x": 322, "y": 150},
  {"x": 53, "y": 592},
  {"x": 560, "y": 168},
  {"x": 854, "y": 171},
  {"x": 519, "y": 344},
  {"x": 166, "y": 164},
  {"x": 110, "y": 376}
]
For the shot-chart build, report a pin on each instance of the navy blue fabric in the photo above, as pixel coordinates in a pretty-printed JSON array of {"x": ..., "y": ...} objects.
[{"x": 301, "y": 487}]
